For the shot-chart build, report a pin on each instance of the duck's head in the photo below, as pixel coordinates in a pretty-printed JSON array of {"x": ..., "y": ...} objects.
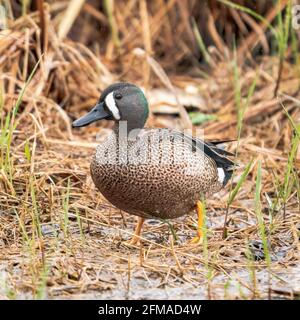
[{"x": 119, "y": 102}]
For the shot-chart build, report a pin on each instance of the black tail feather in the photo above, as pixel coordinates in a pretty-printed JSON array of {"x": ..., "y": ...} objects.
[
  {"x": 220, "y": 155},
  {"x": 211, "y": 149}
]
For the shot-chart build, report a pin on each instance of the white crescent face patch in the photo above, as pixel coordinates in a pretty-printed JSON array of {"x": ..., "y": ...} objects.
[{"x": 111, "y": 105}]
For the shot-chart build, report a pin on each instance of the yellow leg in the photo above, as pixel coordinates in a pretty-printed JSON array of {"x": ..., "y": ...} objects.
[
  {"x": 137, "y": 232},
  {"x": 199, "y": 238}
]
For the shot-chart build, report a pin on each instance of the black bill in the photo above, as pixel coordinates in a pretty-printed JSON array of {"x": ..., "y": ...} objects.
[{"x": 97, "y": 113}]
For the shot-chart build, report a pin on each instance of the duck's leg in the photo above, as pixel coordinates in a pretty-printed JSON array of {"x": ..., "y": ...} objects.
[
  {"x": 199, "y": 238},
  {"x": 137, "y": 232}
]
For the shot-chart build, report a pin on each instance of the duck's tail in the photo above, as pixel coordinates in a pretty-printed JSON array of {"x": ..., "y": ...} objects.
[
  {"x": 225, "y": 165},
  {"x": 212, "y": 150}
]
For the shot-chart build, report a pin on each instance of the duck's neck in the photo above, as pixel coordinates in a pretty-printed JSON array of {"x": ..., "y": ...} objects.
[{"x": 127, "y": 129}]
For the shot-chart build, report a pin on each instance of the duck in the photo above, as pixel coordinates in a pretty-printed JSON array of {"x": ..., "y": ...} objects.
[{"x": 152, "y": 173}]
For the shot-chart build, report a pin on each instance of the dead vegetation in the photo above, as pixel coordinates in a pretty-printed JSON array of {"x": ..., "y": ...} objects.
[{"x": 58, "y": 235}]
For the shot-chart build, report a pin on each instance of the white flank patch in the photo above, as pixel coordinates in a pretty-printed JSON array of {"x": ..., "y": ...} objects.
[
  {"x": 111, "y": 105},
  {"x": 221, "y": 175}
]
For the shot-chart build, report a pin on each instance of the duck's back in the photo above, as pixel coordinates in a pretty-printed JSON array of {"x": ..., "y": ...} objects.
[{"x": 158, "y": 174}]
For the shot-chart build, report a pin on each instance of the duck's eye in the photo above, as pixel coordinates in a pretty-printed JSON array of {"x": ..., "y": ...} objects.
[{"x": 118, "y": 95}]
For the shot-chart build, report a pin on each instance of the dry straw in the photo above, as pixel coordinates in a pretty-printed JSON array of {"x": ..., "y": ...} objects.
[{"x": 58, "y": 236}]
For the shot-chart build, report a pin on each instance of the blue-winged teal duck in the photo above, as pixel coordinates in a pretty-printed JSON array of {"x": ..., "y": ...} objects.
[{"x": 152, "y": 173}]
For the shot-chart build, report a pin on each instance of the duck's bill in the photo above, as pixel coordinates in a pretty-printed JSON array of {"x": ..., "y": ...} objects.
[{"x": 97, "y": 113}]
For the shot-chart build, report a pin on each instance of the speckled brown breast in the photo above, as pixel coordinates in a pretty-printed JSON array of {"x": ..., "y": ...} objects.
[{"x": 154, "y": 178}]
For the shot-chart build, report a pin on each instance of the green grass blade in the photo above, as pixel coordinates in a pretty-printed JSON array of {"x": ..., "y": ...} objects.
[
  {"x": 200, "y": 42},
  {"x": 259, "y": 215},
  {"x": 250, "y": 12},
  {"x": 243, "y": 177},
  {"x": 20, "y": 97}
]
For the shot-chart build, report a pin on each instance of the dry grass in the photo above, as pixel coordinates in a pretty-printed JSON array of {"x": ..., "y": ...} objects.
[{"x": 58, "y": 235}]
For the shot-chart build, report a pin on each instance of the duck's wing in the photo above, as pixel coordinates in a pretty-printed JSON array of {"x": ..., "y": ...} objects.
[
  {"x": 215, "y": 146},
  {"x": 218, "y": 155}
]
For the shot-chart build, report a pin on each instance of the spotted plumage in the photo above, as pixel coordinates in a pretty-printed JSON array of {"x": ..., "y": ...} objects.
[{"x": 151, "y": 173}]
